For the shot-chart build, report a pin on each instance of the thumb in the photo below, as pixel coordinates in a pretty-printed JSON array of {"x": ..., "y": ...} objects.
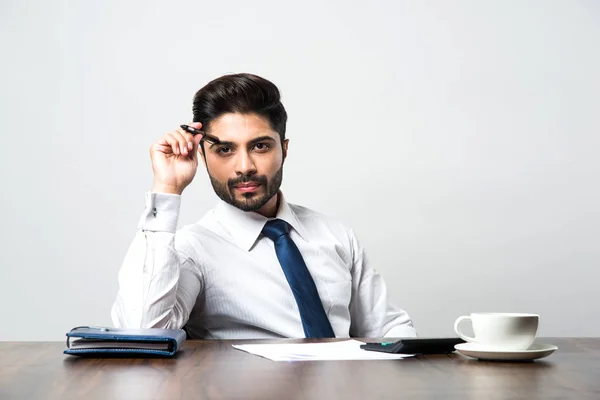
[
  {"x": 197, "y": 125},
  {"x": 196, "y": 140}
]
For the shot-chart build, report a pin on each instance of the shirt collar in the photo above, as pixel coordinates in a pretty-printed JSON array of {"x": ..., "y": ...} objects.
[{"x": 246, "y": 226}]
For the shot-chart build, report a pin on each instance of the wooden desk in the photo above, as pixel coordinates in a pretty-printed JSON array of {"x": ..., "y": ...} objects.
[{"x": 213, "y": 369}]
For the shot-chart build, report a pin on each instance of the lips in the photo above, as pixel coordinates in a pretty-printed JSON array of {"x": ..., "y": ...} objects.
[{"x": 247, "y": 187}]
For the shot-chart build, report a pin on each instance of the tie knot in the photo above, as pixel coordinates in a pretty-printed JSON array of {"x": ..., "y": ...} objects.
[{"x": 276, "y": 228}]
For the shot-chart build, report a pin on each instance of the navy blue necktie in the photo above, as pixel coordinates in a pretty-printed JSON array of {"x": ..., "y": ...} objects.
[{"x": 312, "y": 314}]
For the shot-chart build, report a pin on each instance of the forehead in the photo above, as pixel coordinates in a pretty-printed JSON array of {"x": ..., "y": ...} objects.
[{"x": 235, "y": 127}]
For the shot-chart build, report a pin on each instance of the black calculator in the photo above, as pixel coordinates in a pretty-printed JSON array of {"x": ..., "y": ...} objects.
[{"x": 415, "y": 346}]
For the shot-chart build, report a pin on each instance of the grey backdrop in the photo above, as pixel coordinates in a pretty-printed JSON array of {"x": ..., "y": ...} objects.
[{"x": 460, "y": 140}]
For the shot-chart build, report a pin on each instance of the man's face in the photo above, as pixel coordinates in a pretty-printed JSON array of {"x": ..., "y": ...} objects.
[{"x": 246, "y": 168}]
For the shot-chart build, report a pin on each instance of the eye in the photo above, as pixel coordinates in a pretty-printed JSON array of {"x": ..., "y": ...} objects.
[
  {"x": 224, "y": 150},
  {"x": 262, "y": 147}
]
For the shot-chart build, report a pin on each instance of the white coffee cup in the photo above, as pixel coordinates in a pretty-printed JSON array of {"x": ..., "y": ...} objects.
[{"x": 501, "y": 331}]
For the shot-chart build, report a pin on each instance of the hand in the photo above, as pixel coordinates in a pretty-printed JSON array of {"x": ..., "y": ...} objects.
[{"x": 175, "y": 160}]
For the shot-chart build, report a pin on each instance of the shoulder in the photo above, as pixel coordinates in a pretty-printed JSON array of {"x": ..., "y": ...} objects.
[{"x": 312, "y": 220}]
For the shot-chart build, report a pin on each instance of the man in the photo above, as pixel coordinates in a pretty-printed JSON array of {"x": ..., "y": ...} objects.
[{"x": 255, "y": 266}]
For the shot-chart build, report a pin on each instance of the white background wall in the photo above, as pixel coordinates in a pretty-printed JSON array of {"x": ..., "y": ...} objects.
[{"x": 459, "y": 139}]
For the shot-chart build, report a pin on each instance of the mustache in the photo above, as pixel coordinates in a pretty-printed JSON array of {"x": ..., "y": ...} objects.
[{"x": 260, "y": 179}]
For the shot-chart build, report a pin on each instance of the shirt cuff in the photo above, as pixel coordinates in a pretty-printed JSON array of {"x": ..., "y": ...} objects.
[{"x": 161, "y": 212}]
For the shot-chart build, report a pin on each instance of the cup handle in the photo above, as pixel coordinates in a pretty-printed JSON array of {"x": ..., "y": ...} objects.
[{"x": 457, "y": 330}]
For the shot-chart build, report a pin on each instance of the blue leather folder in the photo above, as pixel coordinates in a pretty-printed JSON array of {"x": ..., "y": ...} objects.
[{"x": 104, "y": 341}]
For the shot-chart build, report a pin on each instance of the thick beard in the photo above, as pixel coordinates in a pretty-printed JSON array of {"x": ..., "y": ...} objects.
[{"x": 252, "y": 201}]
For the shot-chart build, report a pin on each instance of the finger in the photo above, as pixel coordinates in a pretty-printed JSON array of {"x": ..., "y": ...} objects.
[
  {"x": 188, "y": 137},
  {"x": 196, "y": 144},
  {"x": 162, "y": 148},
  {"x": 196, "y": 140},
  {"x": 197, "y": 125},
  {"x": 173, "y": 142},
  {"x": 183, "y": 142},
  {"x": 164, "y": 145}
]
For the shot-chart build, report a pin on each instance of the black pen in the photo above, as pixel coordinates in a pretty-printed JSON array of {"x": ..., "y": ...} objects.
[{"x": 195, "y": 131}]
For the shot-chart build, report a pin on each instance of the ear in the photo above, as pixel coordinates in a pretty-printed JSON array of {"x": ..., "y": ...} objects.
[{"x": 285, "y": 148}]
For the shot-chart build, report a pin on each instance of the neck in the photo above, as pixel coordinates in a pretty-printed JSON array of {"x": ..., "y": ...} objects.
[{"x": 270, "y": 209}]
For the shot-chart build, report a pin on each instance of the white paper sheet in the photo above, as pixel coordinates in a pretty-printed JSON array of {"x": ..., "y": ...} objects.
[{"x": 343, "y": 350}]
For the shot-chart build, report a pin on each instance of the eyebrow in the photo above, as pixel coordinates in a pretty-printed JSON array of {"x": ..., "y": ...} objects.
[{"x": 250, "y": 143}]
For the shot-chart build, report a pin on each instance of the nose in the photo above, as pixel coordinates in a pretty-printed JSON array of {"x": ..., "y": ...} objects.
[{"x": 245, "y": 164}]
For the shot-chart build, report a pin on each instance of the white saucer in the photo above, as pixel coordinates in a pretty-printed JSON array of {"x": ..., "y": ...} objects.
[{"x": 532, "y": 353}]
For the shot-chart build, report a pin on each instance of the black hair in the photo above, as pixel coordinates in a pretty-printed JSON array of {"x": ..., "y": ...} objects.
[{"x": 240, "y": 93}]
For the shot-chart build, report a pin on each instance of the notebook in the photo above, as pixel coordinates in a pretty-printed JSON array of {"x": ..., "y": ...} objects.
[{"x": 99, "y": 341}]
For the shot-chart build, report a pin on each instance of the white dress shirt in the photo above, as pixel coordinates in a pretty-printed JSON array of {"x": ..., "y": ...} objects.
[{"x": 221, "y": 279}]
